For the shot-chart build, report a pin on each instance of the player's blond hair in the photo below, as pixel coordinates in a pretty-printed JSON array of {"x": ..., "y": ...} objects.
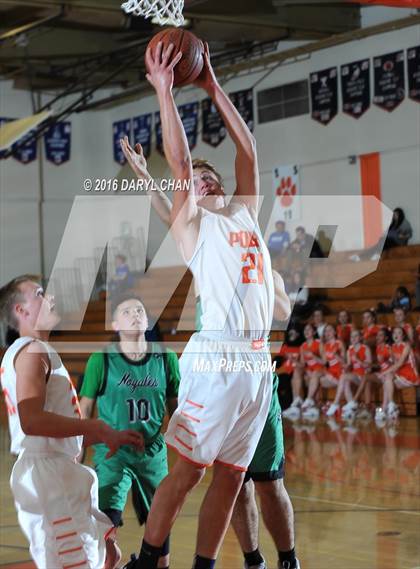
[
  {"x": 205, "y": 164},
  {"x": 10, "y": 295}
]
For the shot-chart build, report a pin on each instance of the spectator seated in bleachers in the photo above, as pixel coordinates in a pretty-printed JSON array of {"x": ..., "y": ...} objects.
[
  {"x": 401, "y": 299},
  {"x": 298, "y": 294},
  {"x": 398, "y": 235},
  {"x": 122, "y": 279},
  {"x": 318, "y": 321},
  {"x": 278, "y": 241}
]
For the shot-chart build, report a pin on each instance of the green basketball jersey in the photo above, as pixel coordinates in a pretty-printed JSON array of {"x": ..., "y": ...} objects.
[{"x": 130, "y": 394}]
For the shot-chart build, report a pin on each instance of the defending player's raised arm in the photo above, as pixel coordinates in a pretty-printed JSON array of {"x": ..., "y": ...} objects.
[
  {"x": 184, "y": 211},
  {"x": 282, "y": 306},
  {"x": 137, "y": 162},
  {"x": 246, "y": 163}
]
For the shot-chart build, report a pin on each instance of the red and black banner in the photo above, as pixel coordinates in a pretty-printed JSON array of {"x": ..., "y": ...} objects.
[
  {"x": 324, "y": 95},
  {"x": 355, "y": 87},
  {"x": 413, "y": 61},
  {"x": 389, "y": 80}
]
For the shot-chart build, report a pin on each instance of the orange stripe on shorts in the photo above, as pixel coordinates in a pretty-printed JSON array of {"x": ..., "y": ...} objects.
[
  {"x": 182, "y": 443},
  {"x": 195, "y": 404},
  {"x": 61, "y": 521},
  {"x": 185, "y": 429},
  {"x": 72, "y": 550},
  {"x": 75, "y": 564},
  {"x": 190, "y": 417},
  {"x": 70, "y": 534}
]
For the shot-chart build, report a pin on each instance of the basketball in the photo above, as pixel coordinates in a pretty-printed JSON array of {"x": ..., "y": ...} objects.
[{"x": 192, "y": 48}]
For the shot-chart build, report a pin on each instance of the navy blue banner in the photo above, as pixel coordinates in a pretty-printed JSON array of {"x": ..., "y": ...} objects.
[
  {"x": 324, "y": 95},
  {"x": 389, "y": 80},
  {"x": 28, "y": 151},
  {"x": 413, "y": 60},
  {"x": 119, "y": 130},
  {"x": 189, "y": 117},
  {"x": 244, "y": 102},
  {"x": 57, "y": 141},
  {"x": 214, "y": 130},
  {"x": 4, "y": 120},
  {"x": 158, "y": 133},
  {"x": 142, "y": 133}
]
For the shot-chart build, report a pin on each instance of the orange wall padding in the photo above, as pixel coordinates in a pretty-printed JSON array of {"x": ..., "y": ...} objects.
[{"x": 370, "y": 175}]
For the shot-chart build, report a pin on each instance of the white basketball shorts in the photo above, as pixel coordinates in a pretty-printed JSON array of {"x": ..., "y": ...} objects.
[
  {"x": 57, "y": 504},
  {"x": 223, "y": 401}
]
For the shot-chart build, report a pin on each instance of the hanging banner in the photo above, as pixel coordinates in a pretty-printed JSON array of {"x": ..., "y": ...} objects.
[
  {"x": 158, "y": 133},
  {"x": 142, "y": 133},
  {"x": 119, "y": 130},
  {"x": 189, "y": 117},
  {"x": 214, "y": 130},
  {"x": 28, "y": 151},
  {"x": 286, "y": 187},
  {"x": 355, "y": 88},
  {"x": 57, "y": 141},
  {"x": 389, "y": 80},
  {"x": 413, "y": 62},
  {"x": 4, "y": 120},
  {"x": 244, "y": 102},
  {"x": 324, "y": 95}
]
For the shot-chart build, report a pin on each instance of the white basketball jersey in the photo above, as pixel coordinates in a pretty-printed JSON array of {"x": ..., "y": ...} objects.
[
  {"x": 61, "y": 398},
  {"x": 232, "y": 268}
]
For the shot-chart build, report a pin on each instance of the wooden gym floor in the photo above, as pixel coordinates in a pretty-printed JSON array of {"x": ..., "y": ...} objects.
[{"x": 356, "y": 494}]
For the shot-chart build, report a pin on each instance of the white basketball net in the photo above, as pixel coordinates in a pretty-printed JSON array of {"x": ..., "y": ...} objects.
[{"x": 162, "y": 11}]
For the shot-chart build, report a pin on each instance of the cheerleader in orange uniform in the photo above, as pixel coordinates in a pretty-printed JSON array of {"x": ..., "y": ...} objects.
[
  {"x": 333, "y": 354},
  {"x": 400, "y": 322},
  {"x": 310, "y": 369},
  {"x": 403, "y": 373},
  {"x": 344, "y": 327},
  {"x": 359, "y": 360},
  {"x": 370, "y": 328}
]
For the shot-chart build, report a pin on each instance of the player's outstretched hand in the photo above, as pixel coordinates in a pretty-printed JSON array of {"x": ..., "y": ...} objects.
[
  {"x": 161, "y": 66},
  {"x": 135, "y": 158},
  {"x": 115, "y": 439},
  {"x": 207, "y": 78}
]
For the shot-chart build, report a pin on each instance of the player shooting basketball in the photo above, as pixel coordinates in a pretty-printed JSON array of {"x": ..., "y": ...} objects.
[
  {"x": 266, "y": 469},
  {"x": 220, "y": 415}
]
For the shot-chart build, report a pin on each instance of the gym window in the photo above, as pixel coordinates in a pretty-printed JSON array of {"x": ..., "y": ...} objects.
[{"x": 283, "y": 102}]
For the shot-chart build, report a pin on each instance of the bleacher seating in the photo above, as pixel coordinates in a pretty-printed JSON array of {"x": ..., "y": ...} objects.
[{"x": 397, "y": 267}]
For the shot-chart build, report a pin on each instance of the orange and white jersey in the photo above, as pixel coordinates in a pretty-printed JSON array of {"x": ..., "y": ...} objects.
[
  {"x": 369, "y": 332},
  {"x": 408, "y": 329},
  {"x": 409, "y": 369},
  {"x": 60, "y": 398},
  {"x": 310, "y": 351},
  {"x": 291, "y": 356},
  {"x": 383, "y": 356},
  {"x": 356, "y": 356},
  {"x": 232, "y": 269},
  {"x": 343, "y": 332},
  {"x": 333, "y": 350}
]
